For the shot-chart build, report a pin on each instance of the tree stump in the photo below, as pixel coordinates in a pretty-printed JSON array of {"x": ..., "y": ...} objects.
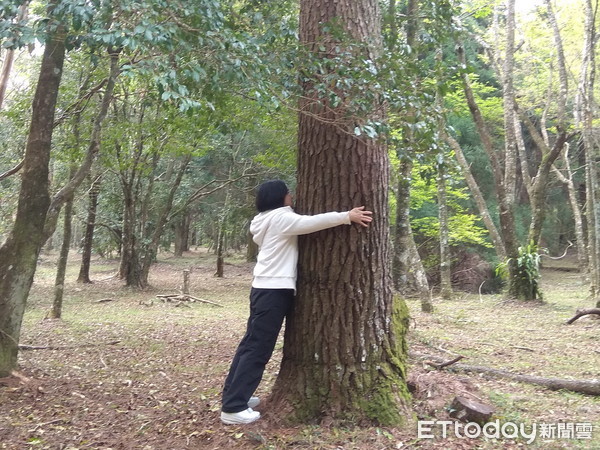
[
  {"x": 186, "y": 282},
  {"x": 468, "y": 410},
  {"x": 184, "y": 296}
]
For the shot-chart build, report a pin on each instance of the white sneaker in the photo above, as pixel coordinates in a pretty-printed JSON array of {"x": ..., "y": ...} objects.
[
  {"x": 253, "y": 402},
  {"x": 240, "y": 418}
]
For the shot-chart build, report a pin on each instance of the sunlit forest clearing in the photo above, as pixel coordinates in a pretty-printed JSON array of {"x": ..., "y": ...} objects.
[{"x": 136, "y": 372}]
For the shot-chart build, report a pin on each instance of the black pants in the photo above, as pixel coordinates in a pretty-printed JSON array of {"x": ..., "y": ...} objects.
[{"x": 268, "y": 309}]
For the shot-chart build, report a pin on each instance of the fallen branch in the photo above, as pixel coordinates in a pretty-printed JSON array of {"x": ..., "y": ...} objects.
[
  {"x": 52, "y": 422},
  {"x": 588, "y": 387},
  {"x": 20, "y": 376},
  {"x": 581, "y": 313},
  {"x": 440, "y": 366},
  {"x": 204, "y": 301},
  {"x": 184, "y": 298},
  {"x": 63, "y": 347},
  {"x": 518, "y": 347}
]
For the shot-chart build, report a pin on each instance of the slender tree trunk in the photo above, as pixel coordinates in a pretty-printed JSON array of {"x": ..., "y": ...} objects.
[
  {"x": 506, "y": 206},
  {"x": 408, "y": 273},
  {"x": 5, "y": 73},
  {"x": 592, "y": 209},
  {"x": 344, "y": 350},
  {"x": 407, "y": 268},
  {"x": 417, "y": 277},
  {"x": 92, "y": 151},
  {"x": 539, "y": 187},
  {"x": 149, "y": 255},
  {"x": 582, "y": 256},
  {"x": 508, "y": 95},
  {"x": 90, "y": 225},
  {"x": 220, "y": 244},
  {"x": 484, "y": 212},
  {"x": 59, "y": 283},
  {"x": 445, "y": 263},
  {"x": 592, "y": 150},
  {"x": 9, "y": 57},
  {"x": 182, "y": 234},
  {"x": 252, "y": 249},
  {"x": 130, "y": 268},
  {"x": 19, "y": 253}
]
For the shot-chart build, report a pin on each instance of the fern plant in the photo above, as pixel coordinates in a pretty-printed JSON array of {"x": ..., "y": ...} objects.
[{"x": 526, "y": 271}]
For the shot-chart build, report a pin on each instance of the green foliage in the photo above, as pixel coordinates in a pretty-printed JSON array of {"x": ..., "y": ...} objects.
[
  {"x": 465, "y": 229},
  {"x": 526, "y": 271}
]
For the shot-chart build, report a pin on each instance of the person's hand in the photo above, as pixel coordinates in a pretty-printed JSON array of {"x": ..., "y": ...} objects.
[{"x": 360, "y": 216}]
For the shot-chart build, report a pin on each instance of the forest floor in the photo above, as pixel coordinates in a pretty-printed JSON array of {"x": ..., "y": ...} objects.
[{"x": 138, "y": 373}]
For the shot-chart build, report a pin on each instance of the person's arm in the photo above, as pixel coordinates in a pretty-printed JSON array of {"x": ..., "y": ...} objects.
[{"x": 296, "y": 224}]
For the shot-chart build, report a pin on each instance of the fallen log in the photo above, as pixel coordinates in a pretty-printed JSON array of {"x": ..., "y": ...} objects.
[
  {"x": 581, "y": 313},
  {"x": 588, "y": 387},
  {"x": 63, "y": 347}
]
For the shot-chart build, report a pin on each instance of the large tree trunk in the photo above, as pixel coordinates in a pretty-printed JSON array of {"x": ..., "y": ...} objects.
[
  {"x": 18, "y": 255},
  {"x": 90, "y": 225},
  {"x": 344, "y": 351}
]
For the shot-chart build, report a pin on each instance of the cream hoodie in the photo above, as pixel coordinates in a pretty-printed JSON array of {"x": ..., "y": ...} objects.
[{"x": 276, "y": 233}]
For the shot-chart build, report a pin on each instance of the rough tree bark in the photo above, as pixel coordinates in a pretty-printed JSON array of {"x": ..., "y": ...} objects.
[
  {"x": 19, "y": 253},
  {"x": 344, "y": 350}
]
